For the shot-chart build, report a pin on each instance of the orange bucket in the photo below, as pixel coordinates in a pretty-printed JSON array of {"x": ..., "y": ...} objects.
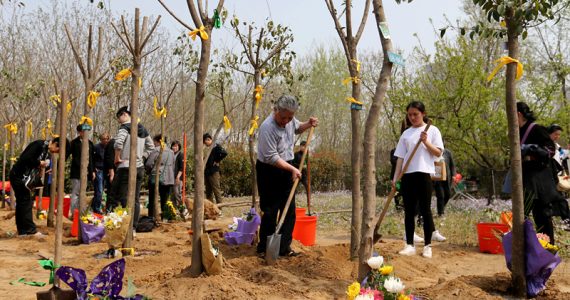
[
  {"x": 300, "y": 211},
  {"x": 305, "y": 230},
  {"x": 75, "y": 225},
  {"x": 489, "y": 235}
]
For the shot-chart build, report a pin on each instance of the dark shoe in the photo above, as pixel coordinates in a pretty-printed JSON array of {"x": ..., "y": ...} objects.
[
  {"x": 291, "y": 254},
  {"x": 261, "y": 255}
]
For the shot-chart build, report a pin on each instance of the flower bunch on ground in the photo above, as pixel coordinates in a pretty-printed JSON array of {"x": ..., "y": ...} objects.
[
  {"x": 90, "y": 218},
  {"x": 114, "y": 220},
  {"x": 544, "y": 241},
  {"x": 42, "y": 215},
  {"x": 169, "y": 211},
  {"x": 379, "y": 284}
]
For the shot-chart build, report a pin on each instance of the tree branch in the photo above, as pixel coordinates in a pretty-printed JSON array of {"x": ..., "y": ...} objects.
[
  {"x": 174, "y": 16},
  {"x": 146, "y": 38},
  {"x": 362, "y": 23},
  {"x": 75, "y": 50}
]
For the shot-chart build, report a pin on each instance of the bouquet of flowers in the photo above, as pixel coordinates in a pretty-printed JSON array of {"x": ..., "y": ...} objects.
[
  {"x": 169, "y": 211},
  {"x": 42, "y": 215},
  {"x": 544, "y": 241},
  {"x": 244, "y": 228},
  {"x": 92, "y": 229},
  {"x": 116, "y": 226},
  {"x": 379, "y": 284}
]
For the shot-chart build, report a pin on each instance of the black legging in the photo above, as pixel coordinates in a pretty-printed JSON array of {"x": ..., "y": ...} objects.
[
  {"x": 416, "y": 190},
  {"x": 274, "y": 186},
  {"x": 24, "y": 203}
]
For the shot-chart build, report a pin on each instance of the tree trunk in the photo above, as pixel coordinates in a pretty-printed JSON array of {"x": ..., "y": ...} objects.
[
  {"x": 54, "y": 180},
  {"x": 4, "y": 173},
  {"x": 84, "y": 163},
  {"x": 518, "y": 263},
  {"x": 251, "y": 143},
  {"x": 11, "y": 154},
  {"x": 370, "y": 135},
  {"x": 198, "y": 211},
  {"x": 61, "y": 183},
  {"x": 355, "y": 163}
]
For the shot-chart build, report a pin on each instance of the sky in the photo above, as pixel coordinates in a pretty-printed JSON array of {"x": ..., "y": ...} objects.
[{"x": 310, "y": 20}]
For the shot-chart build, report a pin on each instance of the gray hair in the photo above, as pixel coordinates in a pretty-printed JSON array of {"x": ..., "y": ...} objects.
[{"x": 287, "y": 102}]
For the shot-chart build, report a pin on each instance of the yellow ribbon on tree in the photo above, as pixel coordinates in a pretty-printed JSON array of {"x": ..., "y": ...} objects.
[
  {"x": 162, "y": 143},
  {"x": 503, "y": 61},
  {"x": 29, "y": 129},
  {"x": 69, "y": 106},
  {"x": 357, "y": 64},
  {"x": 92, "y": 98},
  {"x": 264, "y": 73},
  {"x": 140, "y": 82},
  {"x": 86, "y": 120},
  {"x": 227, "y": 124},
  {"x": 123, "y": 74},
  {"x": 158, "y": 112},
  {"x": 258, "y": 95},
  {"x": 349, "y": 79},
  {"x": 47, "y": 130},
  {"x": 253, "y": 125},
  {"x": 353, "y": 100},
  {"x": 55, "y": 99},
  {"x": 201, "y": 31},
  {"x": 11, "y": 127}
]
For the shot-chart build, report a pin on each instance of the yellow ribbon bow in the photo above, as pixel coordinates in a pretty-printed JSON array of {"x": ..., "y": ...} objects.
[
  {"x": 201, "y": 31},
  {"x": 47, "y": 130},
  {"x": 162, "y": 143},
  {"x": 258, "y": 95},
  {"x": 140, "y": 82},
  {"x": 353, "y": 100},
  {"x": 68, "y": 107},
  {"x": 11, "y": 127},
  {"x": 158, "y": 112},
  {"x": 349, "y": 79},
  {"x": 92, "y": 98},
  {"x": 357, "y": 64},
  {"x": 503, "y": 61},
  {"x": 55, "y": 99},
  {"x": 86, "y": 120},
  {"x": 123, "y": 74},
  {"x": 253, "y": 125},
  {"x": 227, "y": 124},
  {"x": 29, "y": 129},
  {"x": 264, "y": 73}
]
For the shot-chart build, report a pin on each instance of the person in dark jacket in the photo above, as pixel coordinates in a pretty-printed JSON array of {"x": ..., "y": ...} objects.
[
  {"x": 75, "y": 168},
  {"x": 109, "y": 169},
  {"x": 99, "y": 164},
  {"x": 442, "y": 188},
  {"x": 36, "y": 155},
  {"x": 539, "y": 185},
  {"x": 212, "y": 169}
]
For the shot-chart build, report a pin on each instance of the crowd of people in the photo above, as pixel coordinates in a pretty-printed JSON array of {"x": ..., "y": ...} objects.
[
  {"x": 420, "y": 146},
  {"x": 108, "y": 172}
]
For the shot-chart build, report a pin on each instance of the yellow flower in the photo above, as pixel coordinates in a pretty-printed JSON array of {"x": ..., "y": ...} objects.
[
  {"x": 385, "y": 270},
  {"x": 403, "y": 297},
  {"x": 353, "y": 290}
]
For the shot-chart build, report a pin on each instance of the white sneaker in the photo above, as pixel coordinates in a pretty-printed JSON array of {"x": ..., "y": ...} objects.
[
  {"x": 408, "y": 250},
  {"x": 427, "y": 252},
  {"x": 134, "y": 234},
  {"x": 436, "y": 236},
  {"x": 417, "y": 238}
]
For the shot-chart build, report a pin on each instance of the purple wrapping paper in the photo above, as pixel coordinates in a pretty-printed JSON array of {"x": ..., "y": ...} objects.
[
  {"x": 109, "y": 282},
  {"x": 540, "y": 263},
  {"x": 91, "y": 233},
  {"x": 245, "y": 231}
]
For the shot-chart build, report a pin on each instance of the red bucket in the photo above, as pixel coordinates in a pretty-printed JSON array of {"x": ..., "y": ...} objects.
[
  {"x": 489, "y": 235},
  {"x": 45, "y": 204},
  {"x": 305, "y": 230}
]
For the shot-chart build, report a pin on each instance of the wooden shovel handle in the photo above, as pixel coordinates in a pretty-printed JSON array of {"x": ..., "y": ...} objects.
[{"x": 292, "y": 193}]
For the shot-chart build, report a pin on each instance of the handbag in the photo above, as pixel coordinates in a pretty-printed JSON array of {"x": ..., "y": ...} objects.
[
  {"x": 440, "y": 170},
  {"x": 563, "y": 183},
  {"x": 33, "y": 179}
]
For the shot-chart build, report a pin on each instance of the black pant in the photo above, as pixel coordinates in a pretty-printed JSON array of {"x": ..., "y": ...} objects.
[
  {"x": 24, "y": 203},
  {"x": 416, "y": 190},
  {"x": 442, "y": 193},
  {"x": 164, "y": 192},
  {"x": 121, "y": 185},
  {"x": 274, "y": 186}
]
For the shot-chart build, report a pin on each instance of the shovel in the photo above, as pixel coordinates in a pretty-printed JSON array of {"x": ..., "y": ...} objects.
[
  {"x": 274, "y": 240},
  {"x": 377, "y": 235}
]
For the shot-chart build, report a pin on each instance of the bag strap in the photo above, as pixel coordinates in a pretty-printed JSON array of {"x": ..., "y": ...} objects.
[{"x": 526, "y": 133}]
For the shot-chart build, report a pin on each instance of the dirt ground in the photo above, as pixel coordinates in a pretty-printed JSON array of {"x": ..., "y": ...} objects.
[{"x": 159, "y": 268}]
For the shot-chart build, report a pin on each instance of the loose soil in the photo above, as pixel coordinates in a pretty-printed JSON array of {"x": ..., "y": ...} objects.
[{"x": 160, "y": 267}]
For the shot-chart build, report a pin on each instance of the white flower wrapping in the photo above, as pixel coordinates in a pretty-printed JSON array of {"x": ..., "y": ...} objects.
[
  {"x": 375, "y": 262},
  {"x": 114, "y": 220},
  {"x": 364, "y": 297},
  {"x": 394, "y": 285}
]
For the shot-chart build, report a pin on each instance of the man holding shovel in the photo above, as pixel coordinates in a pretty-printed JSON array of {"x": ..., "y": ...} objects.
[{"x": 275, "y": 172}]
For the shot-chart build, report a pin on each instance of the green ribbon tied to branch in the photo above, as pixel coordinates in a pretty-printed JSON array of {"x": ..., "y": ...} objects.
[
  {"x": 48, "y": 264},
  {"x": 217, "y": 20}
]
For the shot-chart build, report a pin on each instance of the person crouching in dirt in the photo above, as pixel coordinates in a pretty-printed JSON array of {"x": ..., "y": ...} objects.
[
  {"x": 212, "y": 169},
  {"x": 36, "y": 155},
  {"x": 275, "y": 172}
]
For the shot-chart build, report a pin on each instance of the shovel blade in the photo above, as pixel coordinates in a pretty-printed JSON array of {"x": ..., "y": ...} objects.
[{"x": 272, "y": 248}]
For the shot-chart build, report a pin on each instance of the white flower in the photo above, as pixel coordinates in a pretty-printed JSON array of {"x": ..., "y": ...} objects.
[
  {"x": 364, "y": 297},
  {"x": 394, "y": 285},
  {"x": 375, "y": 262}
]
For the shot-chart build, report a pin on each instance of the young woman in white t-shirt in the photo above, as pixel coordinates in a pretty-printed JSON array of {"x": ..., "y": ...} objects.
[{"x": 416, "y": 186}]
